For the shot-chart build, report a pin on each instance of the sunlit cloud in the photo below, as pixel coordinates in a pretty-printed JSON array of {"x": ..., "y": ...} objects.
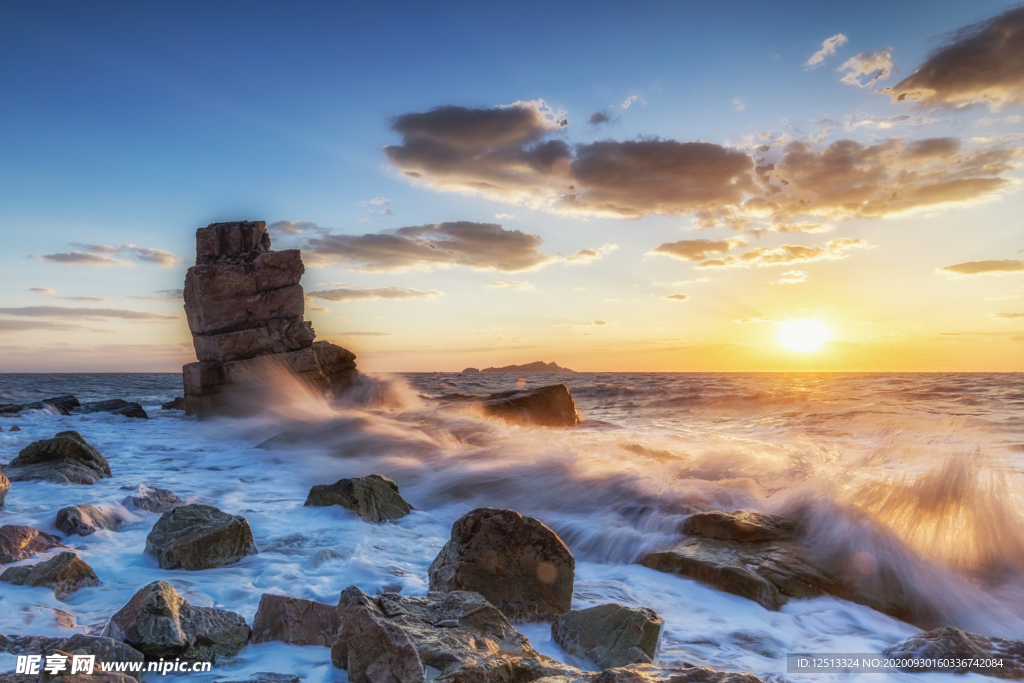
[
  {"x": 695, "y": 250},
  {"x": 84, "y": 313},
  {"x": 677, "y": 297},
  {"x": 1002, "y": 267},
  {"x": 629, "y": 101},
  {"x": 588, "y": 255},
  {"x": 828, "y": 49},
  {"x": 103, "y": 256},
  {"x": 877, "y": 66},
  {"x": 293, "y": 227},
  {"x": 1008, "y": 316},
  {"x": 791, "y": 277},
  {"x": 762, "y": 319},
  {"x": 513, "y": 284},
  {"x": 353, "y": 293},
  {"x": 787, "y": 254}
]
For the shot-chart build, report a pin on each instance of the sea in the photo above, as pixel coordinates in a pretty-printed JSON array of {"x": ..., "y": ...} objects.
[{"x": 921, "y": 473}]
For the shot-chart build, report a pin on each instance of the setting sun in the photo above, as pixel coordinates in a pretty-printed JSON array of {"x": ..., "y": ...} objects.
[{"x": 803, "y": 335}]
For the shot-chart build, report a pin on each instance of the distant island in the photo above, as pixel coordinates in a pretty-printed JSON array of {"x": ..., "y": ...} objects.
[{"x": 536, "y": 366}]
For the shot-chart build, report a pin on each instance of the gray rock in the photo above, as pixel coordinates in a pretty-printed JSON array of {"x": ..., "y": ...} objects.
[
  {"x": 15, "y": 428},
  {"x": 62, "y": 404},
  {"x": 160, "y": 623},
  {"x": 610, "y": 635},
  {"x": 177, "y": 404},
  {"x": 374, "y": 498},
  {"x": 194, "y": 537},
  {"x": 152, "y": 499},
  {"x": 84, "y": 520},
  {"x": 64, "y": 573},
  {"x": 104, "y": 649},
  {"x": 296, "y": 621},
  {"x": 647, "y": 673},
  {"x": 115, "y": 406},
  {"x": 517, "y": 563},
  {"x": 65, "y": 459},
  {"x": 949, "y": 642},
  {"x": 22, "y": 542},
  {"x": 5, "y": 486}
]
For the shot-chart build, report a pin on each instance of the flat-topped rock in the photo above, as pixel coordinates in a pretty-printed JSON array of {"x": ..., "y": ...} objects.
[
  {"x": 948, "y": 642},
  {"x": 195, "y": 537},
  {"x": 374, "y": 498},
  {"x": 65, "y": 459},
  {"x": 62, "y": 404},
  {"x": 295, "y": 621},
  {"x": 116, "y": 406},
  {"x": 22, "y": 542},
  {"x": 64, "y": 573},
  {"x": 84, "y": 520},
  {"x": 610, "y": 635},
  {"x": 231, "y": 241}
]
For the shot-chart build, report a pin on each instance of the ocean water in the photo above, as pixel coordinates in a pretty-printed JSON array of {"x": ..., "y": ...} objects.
[{"x": 921, "y": 473}]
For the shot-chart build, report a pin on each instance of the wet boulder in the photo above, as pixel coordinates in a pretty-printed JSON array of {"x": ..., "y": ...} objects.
[
  {"x": 5, "y": 486},
  {"x": 374, "y": 498},
  {"x": 551, "y": 406},
  {"x": 295, "y": 621},
  {"x": 67, "y": 458},
  {"x": 177, "y": 404},
  {"x": 159, "y": 623},
  {"x": 610, "y": 635},
  {"x": 103, "y": 649},
  {"x": 64, "y": 573},
  {"x": 948, "y": 642},
  {"x": 117, "y": 407},
  {"x": 456, "y": 636},
  {"x": 84, "y": 520},
  {"x": 194, "y": 537},
  {"x": 517, "y": 563},
  {"x": 22, "y": 542},
  {"x": 61, "y": 404},
  {"x": 152, "y": 499},
  {"x": 648, "y": 673}
]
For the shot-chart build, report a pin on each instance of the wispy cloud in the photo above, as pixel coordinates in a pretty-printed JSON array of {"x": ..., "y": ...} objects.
[
  {"x": 828, "y": 48},
  {"x": 84, "y": 313},
  {"x": 103, "y": 256},
  {"x": 677, "y": 297},
  {"x": 787, "y": 254},
  {"x": 695, "y": 250},
  {"x": 791, "y": 277},
  {"x": 629, "y": 101},
  {"x": 588, "y": 255},
  {"x": 876, "y": 65},
  {"x": 514, "y": 284},
  {"x": 1008, "y": 316},
  {"x": 370, "y": 293},
  {"x": 762, "y": 319},
  {"x": 368, "y": 334},
  {"x": 52, "y": 292},
  {"x": 1002, "y": 267}
]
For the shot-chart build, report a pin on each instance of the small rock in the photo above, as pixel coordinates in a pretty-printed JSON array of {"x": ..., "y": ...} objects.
[
  {"x": 610, "y": 635},
  {"x": 295, "y": 621},
  {"x": 194, "y": 537},
  {"x": 65, "y": 573},
  {"x": 22, "y": 542},
  {"x": 947, "y": 642},
  {"x": 160, "y": 623},
  {"x": 517, "y": 563},
  {"x": 84, "y": 520},
  {"x": 5, "y": 486},
  {"x": 15, "y": 428},
  {"x": 152, "y": 499},
  {"x": 374, "y": 498},
  {"x": 177, "y": 404},
  {"x": 65, "y": 459},
  {"x": 116, "y": 406},
  {"x": 326, "y": 555}
]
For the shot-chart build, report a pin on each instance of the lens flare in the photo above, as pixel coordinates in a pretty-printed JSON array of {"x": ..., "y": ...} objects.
[{"x": 803, "y": 335}]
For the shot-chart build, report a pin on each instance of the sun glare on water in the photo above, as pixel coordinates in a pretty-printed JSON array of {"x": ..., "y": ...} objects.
[{"x": 803, "y": 335}]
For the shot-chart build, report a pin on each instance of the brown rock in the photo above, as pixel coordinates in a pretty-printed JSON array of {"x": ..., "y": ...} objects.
[
  {"x": 66, "y": 458},
  {"x": 610, "y": 635},
  {"x": 195, "y": 537},
  {"x": 22, "y": 542},
  {"x": 374, "y": 498},
  {"x": 277, "y": 336},
  {"x": 5, "y": 486},
  {"x": 551, "y": 406},
  {"x": 103, "y": 649},
  {"x": 84, "y": 520},
  {"x": 216, "y": 313},
  {"x": 295, "y": 621},
  {"x": 517, "y": 563},
  {"x": 231, "y": 241},
  {"x": 64, "y": 573},
  {"x": 947, "y": 642}
]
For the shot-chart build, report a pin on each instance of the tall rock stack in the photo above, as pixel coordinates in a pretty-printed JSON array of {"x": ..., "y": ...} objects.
[{"x": 244, "y": 306}]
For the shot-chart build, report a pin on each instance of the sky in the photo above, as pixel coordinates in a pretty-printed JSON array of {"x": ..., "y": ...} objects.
[{"x": 609, "y": 186}]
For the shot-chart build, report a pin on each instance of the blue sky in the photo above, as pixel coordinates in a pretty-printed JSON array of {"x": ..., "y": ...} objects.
[{"x": 136, "y": 123}]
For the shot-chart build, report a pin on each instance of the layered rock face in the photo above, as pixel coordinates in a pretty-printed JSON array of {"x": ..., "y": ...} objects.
[{"x": 244, "y": 306}]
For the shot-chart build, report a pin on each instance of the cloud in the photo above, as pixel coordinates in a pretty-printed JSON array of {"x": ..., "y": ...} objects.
[
  {"x": 828, "y": 48},
  {"x": 677, "y": 297},
  {"x": 514, "y": 284},
  {"x": 791, "y": 277},
  {"x": 7, "y": 325},
  {"x": 102, "y": 256},
  {"x": 380, "y": 201},
  {"x": 787, "y": 254},
  {"x": 481, "y": 246},
  {"x": 584, "y": 256},
  {"x": 877, "y": 65},
  {"x": 629, "y": 101},
  {"x": 370, "y": 293},
  {"x": 979, "y": 65},
  {"x": 52, "y": 292},
  {"x": 740, "y": 106},
  {"x": 984, "y": 267},
  {"x": 1008, "y": 316},
  {"x": 43, "y": 290},
  {"x": 600, "y": 117},
  {"x": 84, "y": 313},
  {"x": 762, "y": 319},
  {"x": 369, "y": 334},
  {"x": 292, "y": 227},
  {"x": 503, "y": 216},
  {"x": 695, "y": 250}
]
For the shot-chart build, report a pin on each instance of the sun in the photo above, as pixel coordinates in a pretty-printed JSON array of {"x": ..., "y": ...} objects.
[{"x": 803, "y": 335}]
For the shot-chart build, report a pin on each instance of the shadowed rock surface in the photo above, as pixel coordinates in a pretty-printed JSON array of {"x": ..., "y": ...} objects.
[
  {"x": 152, "y": 499},
  {"x": 374, "y": 498},
  {"x": 177, "y": 404},
  {"x": 84, "y": 520},
  {"x": 22, "y": 542},
  {"x": 245, "y": 307},
  {"x": 65, "y": 459},
  {"x": 104, "y": 649},
  {"x": 296, "y": 621},
  {"x": 551, "y": 406},
  {"x": 115, "y": 406},
  {"x": 610, "y": 635},
  {"x": 517, "y": 563},
  {"x": 194, "y": 537},
  {"x": 5, "y": 486},
  {"x": 948, "y": 641},
  {"x": 64, "y": 573},
  {"x": 160, "y": 623},
  {"x": 647, "y": 673},
  {"x": 62, "y": 404}
]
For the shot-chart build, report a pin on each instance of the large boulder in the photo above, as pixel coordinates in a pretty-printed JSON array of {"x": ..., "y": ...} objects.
[
  {"x": 22, "y": 542},
  {"x": 116, "y": 406},
  {"x": 103, "y": 649},
  {"x": 295, "y": 621},
  {"x": 159, "y": 623},
  {"x": 152, "y": 499},
  {"x": 374, "y": 498},
  {"x": 5, "y": 486},
  {"x": 455, "y": 637},
  {"x": 610, "y": 635},
  {"x": 64, "y": 573},
  {"x": 551, "y": 406},
  {"x": 196, "y": 536},
  {"x": 951, "y": 643},
  {"x": 84, "y": 520},
  {"x": 517, "y": 563},
  {"x": 65, "y": 459}
]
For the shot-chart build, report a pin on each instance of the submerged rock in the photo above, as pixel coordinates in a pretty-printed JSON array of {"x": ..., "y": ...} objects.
[
  {"x": 152, "y": 499},
  {"x": 517, "y": 563},
  {"x": 116, "y": 406},
  {"x": 84, "y": 520},
  {"x": 456, "y": 637},
  {"x": 947, "y": 642},
  {"x": 374, "y": 498},
  {"x": 610, "y": 635},
  {"x": 177, "y": 404},
  {"x": 65, "y": 459},
  {"x": 22, "y": 542},
  {"x": 160, "y": 623},
  {"x": 194, "y": 537},
  {"x": 296, "y": 621},
  {"x": 15, "y": 428},
  {"x": 62, "y": 404},
  {"x": 5, "y": 486},
  {"x": 64, "y": 573}
]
